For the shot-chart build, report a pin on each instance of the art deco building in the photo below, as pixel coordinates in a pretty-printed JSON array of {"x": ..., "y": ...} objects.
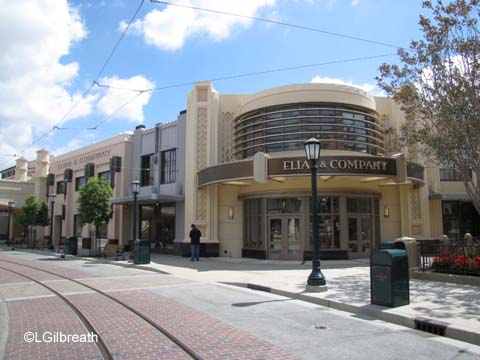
[{"x": 247, "y": 184}]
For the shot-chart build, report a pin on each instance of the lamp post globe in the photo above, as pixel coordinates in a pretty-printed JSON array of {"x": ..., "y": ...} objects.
[
  {"x": 11, "y": 207},
  {"x": 312, "y": 151},
  {"x": 135, "y": 186},
  {"x": 52, "y": 198}
]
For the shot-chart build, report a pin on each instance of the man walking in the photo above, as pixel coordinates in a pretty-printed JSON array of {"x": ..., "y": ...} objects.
[{"x": 195, "y": 235}]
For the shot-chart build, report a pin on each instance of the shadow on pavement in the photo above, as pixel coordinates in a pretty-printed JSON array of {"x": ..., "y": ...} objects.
[{"x": 253, "y": 303}]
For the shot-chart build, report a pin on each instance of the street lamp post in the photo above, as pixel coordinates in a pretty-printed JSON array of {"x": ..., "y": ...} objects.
[
  {"x": 11, "y": 207},
  {"x": 52, "y": 198},
  {"x": 135, "y": 190},
  {"x": 135, "y": 186},
  {"x": 312, "y": 150}
]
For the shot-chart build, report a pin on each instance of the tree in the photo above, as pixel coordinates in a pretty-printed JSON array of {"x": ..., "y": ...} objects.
[
  {"x": 437, "y": 85},
  {"x": 94, "y": 204},
  {"x": 42, "y": 215},
  {"x": 33, "y": 213}
]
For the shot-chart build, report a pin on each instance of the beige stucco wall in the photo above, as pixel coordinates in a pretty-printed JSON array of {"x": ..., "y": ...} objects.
[
  {"x": 436, "y": 225},
  {"x": 120, "y": 145},
  {"x": 452, "y": 187},
  {"x": 230, "y": 231},
  {"x": 312, "y": 92}
]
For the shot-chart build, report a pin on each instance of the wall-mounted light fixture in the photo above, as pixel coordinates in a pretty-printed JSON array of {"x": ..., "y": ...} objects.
[
  {"x": 386, "y": 211},
  {"x": 231, "y": 213}
]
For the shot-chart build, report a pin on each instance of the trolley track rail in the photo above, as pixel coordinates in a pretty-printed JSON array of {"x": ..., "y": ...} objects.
[
  {"x": 102, "y": 347},
  {"x": 101, "y": 344}
]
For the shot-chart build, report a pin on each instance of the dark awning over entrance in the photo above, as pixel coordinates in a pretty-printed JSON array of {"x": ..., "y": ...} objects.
[{"x": 369, "y": 166}]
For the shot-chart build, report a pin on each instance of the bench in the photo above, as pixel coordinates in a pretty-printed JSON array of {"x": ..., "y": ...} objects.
[{"x": 114, "y": 249}]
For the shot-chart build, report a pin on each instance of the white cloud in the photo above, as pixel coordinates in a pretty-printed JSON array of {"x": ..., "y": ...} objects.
[
  {"x": 371, "y": 88},
  {"x": 73, "y": 144},
  {"x": 34, "y": 83},
  {"x": 355, "y": 2},
  {"x": 170, "y": 28},
  {"x": 113, "y": 99}
]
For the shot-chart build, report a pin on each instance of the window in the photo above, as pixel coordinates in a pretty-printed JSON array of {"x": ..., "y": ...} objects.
[
  {"x": 449, "y": 173},
  {"x": 146, "y": 178},
  {"x": 358, "y": 205},
  {"x": 328, "y": 223},
  {"x": 103, "y": 231},
  {"x": 169, "y": 166},
  {"x": 76, "y": 226},
  {"x": 104, "y": 175},
  {"x": 79, "y": 181},
  {"x": 253, "y": 236},
  {"x": 285, "y": 205},
  {"x": 60, "y": 187}
]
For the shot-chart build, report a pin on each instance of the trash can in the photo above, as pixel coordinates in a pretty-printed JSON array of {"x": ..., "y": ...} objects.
[
  {"x": 141, "y": 252},
  {"x": 389, "y": 282},
  {"x": 387, "y": 245},
  {"x": 71, "y": 245}
]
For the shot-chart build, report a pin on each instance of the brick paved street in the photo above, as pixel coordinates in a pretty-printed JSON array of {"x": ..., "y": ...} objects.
[
  {"x": 139, "y": 340},
  {"x": 215, "y": 321},
  {"x": 204, "y": 334},
  {"x": 210, "y": 337},
  {"x": 40, "y": 315}
]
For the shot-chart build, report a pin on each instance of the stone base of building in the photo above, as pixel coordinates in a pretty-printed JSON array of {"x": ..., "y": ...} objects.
[
  {"x": 254, "y": 254},
  {"x": 327, "y": 255},
  {"x": 206, "y": 249}
]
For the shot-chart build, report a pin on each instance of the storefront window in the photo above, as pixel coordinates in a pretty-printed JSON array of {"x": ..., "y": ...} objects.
[
  {"x": 166, "y": 227},
  {"x": 460, "y": 218},
  {"x": 360, "y": 224},
  {"x": 285, "y": 205},
  {"x": 328, "y": 223},
  {"x": 358, "y": 205},
  {"x": 254, "y": 224},
  {"x": 76, "y": 225},
  {"x": 103, "y": 231}
]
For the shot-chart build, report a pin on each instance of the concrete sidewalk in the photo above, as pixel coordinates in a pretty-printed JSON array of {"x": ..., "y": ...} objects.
[{"x": 454, "y": 306}]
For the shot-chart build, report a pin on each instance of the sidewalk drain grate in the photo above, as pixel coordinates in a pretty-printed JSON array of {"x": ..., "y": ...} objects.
[
  {"x": 320, "y": 327},
  {"x": 430, "y": 326}
]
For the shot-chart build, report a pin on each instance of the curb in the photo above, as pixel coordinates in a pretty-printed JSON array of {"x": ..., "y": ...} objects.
[{"x": 375, "y": 311}]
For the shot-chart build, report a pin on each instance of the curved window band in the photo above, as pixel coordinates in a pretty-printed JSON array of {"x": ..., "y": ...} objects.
[
  {"x": 300, "y": 146},
  {"x": 286, "y": 127}
]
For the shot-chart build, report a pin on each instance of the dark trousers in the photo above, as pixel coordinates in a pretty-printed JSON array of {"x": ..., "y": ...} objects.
[{"x": 195, "y": 249}]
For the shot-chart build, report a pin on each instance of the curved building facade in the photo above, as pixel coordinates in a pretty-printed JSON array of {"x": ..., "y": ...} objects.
[{"x": 247, "y": 184}]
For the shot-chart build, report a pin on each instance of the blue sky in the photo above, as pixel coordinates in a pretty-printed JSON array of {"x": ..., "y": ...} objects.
[{"x": 56, "y": 49}]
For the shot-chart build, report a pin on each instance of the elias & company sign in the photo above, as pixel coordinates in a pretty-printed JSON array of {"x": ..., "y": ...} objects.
[{"x": 335, "y": 165}]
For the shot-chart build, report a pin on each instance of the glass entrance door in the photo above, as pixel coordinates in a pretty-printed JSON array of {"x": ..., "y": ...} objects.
[
  {"x": 285, "y": 242},
  {"x": 360, "y": 234}
]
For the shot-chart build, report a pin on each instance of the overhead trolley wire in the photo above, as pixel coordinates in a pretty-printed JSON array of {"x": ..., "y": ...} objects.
[
  {"x": 263, "y": 72},
  {"x": 270, "y": 21},
  {"x": 86, "y": 92}
]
